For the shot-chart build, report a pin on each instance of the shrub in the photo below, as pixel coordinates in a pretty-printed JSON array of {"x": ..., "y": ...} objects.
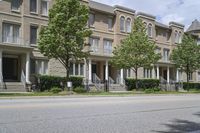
[
  {"x": 55, "y": 90},
  {"x": 189, "y": 86},
  {"x": 48, "y": 82},
  {"x": 79, "y": 90},
  {"x": 142, "y": 83}
]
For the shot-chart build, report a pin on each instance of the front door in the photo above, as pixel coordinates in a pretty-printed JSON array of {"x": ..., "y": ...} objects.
[
  {"x": 10, "y": 69},
  {"x": 94, "y": 71}
]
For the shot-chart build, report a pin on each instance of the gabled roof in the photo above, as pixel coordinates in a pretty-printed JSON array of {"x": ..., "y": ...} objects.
[
  {"x": 194, "y": 26},
  {"x": 101, "y": 7}
]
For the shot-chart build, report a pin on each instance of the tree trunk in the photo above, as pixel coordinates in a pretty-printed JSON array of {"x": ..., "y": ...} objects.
[{"x": 136, "y": 79}]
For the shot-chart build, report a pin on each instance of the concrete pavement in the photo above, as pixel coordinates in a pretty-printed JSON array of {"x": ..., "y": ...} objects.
[{"x": 139, "y": 114}]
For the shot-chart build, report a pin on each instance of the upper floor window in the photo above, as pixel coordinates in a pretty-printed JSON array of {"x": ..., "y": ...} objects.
[
  {"x": 178, "y": 37},
  {"x": 11, "y": 33},
  {"x": 107, "y": 46},
  {"x": 15, "y": 5},
  {"x": 122, "y": 24},
  {"x": 110, "y": 23},
  {"x": 150, "y": 30},
  {"x": 33, "y": 6},
  {"x": 44, "y": 7},
  {"x": 198, "y": 41},
  {"x": 166, "y": 54},
  {"x": 33, "y": 34},
  {"x": 128, "y": 25},
  {"x": 94, "y": 42},
  {"x": 91, "y": 19}
]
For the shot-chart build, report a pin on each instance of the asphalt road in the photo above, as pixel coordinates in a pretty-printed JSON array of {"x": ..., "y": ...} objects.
[{"x": 139, "y": 114}]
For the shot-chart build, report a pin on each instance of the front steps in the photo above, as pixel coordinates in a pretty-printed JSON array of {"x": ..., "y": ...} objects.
[{"x": 12, "y": 87}]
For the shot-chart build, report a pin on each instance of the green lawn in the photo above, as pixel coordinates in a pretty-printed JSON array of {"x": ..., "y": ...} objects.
[{"x": 131, "y": 93}]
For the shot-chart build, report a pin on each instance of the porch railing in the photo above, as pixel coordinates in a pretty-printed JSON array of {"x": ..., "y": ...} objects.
[
  {"x": 96, "y": 81},
  {"x": 110, "y": 81},
  {"x": 23, "y": 79}
]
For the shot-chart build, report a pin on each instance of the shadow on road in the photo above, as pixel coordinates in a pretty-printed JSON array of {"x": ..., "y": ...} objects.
[{"x": 182, "y": 126}]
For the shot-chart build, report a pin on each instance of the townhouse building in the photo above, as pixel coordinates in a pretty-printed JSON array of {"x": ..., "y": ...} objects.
[{"x": 21, "y": 21}]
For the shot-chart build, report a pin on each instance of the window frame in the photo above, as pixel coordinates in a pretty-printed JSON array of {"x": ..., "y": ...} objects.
[
  {"x": 36, "y": 27},
  {"x": 128, "y": 29},
  {"x": 150, "y": 30},
  {"x": 122, "y": 24},
  {"x": 91, "y": 22},
  {"x": 15, "y": 10},
  {"x": 41, "y": 6},
  {"x": 36, "y": 7}
]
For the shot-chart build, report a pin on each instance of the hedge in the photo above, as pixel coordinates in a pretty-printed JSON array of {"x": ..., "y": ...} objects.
[
  {"x": 142, "y": 83},
  {"x": 189, "y": 86},
  {"x": 48, "y": 82}
]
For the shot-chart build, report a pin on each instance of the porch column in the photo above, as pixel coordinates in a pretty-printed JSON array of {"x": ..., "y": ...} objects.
[
  {"x": 90, "y": 71},
  {"x": 177, "y": 76},
  {"x": 158, "y": 72},
  {"x": 27, "y": 67},
  {"x": 85, "y": 68},
  {"x": 122, "y": 76},
  {"x": 1, "y": 64},
  {"x": 153, "y": 73},
  {"x": 106, "y": 71},
  {"x": 168, "y": 77}
]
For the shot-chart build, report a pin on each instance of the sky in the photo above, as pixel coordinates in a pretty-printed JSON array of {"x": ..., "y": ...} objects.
[{"x": 181, "y": 11}]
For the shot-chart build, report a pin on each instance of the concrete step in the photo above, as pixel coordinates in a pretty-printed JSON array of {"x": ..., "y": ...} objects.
[{"x": 12, "y": 87}]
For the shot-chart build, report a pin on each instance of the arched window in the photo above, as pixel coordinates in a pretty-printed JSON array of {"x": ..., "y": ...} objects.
[
  {"x": 128, "y": 25},
  {"x": 180, "y": 38},
  {"x": 176, "y": 37},
  {"x": 150, "y": 30},
  {"x": 122, "y": 23}
]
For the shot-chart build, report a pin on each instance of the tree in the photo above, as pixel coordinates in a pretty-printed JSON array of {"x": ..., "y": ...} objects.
[
  {"x": 186, "y": 55},
  {"x": 135, "y": 51},
  {"x": 64, "y": 37}
]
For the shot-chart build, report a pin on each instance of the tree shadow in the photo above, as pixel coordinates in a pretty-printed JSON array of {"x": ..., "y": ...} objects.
[{"x": 182, "y": 126}]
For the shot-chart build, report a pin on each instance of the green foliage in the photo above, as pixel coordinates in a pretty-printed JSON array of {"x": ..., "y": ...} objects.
[
  {"x": 186, "y": 55},
  {"x": 190, "y": 86},
  {"x": 79, "y": 90},
  {"x": 142, "y": 83},
  {"x": 55, "y": 90},
  {"x": 47, "y": 82},
  {"x": 63, "y": 38},
  {"x": 135, "y": 51},
  {"x": 152, "y": 90}
]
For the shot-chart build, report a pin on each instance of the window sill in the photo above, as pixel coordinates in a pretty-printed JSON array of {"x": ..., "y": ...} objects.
[
  {"x": 33, "y": 45},
  {"x": 92, "y": 26},
  {"x": 15, "y": 11},
  {"x": 33, "y": 13},
  {"x": 43, "y": 15},
  {"x": 110, "y": 30}
]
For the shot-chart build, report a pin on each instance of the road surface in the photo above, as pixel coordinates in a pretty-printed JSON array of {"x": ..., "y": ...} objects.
[{"x": 139, "y": 114}]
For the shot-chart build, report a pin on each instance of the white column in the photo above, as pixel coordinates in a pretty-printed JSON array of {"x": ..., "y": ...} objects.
[
  {"x": 153, "y": 73},
  {"x": 122, "y": 76},
  {"x": 27, "y": 67},
  {"x": 1, "y": 64},
  {"x": 106, "y": 71},
  {"x": 168, "y": 79},
  {"x": 74, "y": 67},
  {"x": 90, "y": 71},
  {"x": 85, "y": 68},
  {"x": 177, "y": 76},
  {"x": 158, "y": 72},
  {"x": 197, "y": 76}
]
